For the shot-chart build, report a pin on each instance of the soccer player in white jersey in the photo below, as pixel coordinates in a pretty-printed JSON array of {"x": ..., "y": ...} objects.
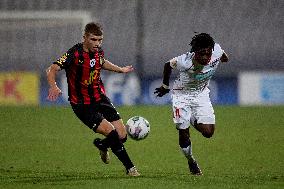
[{"x": 190, "y": 93}]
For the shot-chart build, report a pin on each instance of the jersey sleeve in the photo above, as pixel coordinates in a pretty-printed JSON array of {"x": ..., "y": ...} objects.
[
  {"x": 102, "y": 57},
  {"x": 180, "y": 62},
  {"x": 218, "y": 51},
  {"x": 65, "y": 60}
]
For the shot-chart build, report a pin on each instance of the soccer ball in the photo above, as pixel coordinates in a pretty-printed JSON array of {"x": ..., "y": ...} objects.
[{"x": 137, "y": 128}]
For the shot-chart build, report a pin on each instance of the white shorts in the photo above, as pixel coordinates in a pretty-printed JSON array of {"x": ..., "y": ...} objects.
[{"x": 189, "y": 108}]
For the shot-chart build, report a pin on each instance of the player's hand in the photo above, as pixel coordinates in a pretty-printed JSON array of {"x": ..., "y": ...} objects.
[
  {"x": 127, "y": 69},
  {"x": 53, "y": 93},
  {"x": 161, "y": 91}
]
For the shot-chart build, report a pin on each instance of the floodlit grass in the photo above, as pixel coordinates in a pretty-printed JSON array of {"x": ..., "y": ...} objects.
[{"x": 48, "y": 147}]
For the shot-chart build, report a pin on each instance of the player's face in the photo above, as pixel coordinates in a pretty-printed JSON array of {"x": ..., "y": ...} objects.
[
  {"x": 92, "y": 42},
  {"x": 203, "y": 56}
]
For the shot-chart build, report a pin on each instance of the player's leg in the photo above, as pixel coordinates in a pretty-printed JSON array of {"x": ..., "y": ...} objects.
[
  {"x": 103, "y": 145},
  {"x": 95, "y": 121},
  {"x": 112, "y": 140},
  {"x": 181, "y": 117},
  {"x": 185, "y": 143},
  {"x": 120, "y": 128},
  {"x": 90, "y": 117},
  {"x": 109, "y": 112},
  {"x": 207, "y": 130},
  {"x": 186, "y": 147},
  {"x": 203, "y": 116},
  {"x": 106, "y": 108}
]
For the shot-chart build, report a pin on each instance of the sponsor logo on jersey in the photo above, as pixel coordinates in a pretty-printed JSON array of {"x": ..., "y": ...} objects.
[
  {"x": 206, "y": 75},
  {"x": 214, "y": 63},
  {"x": 62, "y": 59},
  {"x": 94, "y": 75},
  {"x": 92, "y": 62},
  {"x": 101, "y": 60}
]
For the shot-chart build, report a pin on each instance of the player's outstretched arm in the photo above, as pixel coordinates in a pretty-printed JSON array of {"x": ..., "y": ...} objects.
[
  {"x": 112, "y": 67},
  {"x": 164, "y": 88},
  {"x": 54, "y": 91}
]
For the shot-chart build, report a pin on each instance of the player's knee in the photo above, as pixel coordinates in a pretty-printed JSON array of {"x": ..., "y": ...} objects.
[
  {"x": 208, "y": 131},
  {"x": 104, "y": 127},
  {"x": 207, "y": 134},
  {"x": 123, "y": 140}
]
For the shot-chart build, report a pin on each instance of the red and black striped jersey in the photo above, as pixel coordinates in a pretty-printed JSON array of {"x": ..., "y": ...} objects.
[{"x": 83, "y": 74}]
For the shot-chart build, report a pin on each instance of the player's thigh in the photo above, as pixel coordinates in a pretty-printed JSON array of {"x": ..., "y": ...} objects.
[
  {"x": 203, "y": 110},
  {"x": 181, "y": 111},
  {"x": 89, "y": 115},
  {"x": 107, "y": 109},
  {"x": 110, "y": 114},
  {"x": 205, "y": 129}
]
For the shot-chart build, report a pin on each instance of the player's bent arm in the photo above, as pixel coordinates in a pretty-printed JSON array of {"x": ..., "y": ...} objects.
[
  {"x": 167, "y": 74},
  {"x": 224, "y": 57},
  {"x": 53, "y": 91},
  {"x": 51, "y": 72},
  {"x": 112, "y": 67}
]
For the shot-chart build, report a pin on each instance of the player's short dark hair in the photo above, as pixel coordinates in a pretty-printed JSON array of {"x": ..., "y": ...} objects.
[
  {"x": 93, "y": 28},
  {"x": 200, "y": 41}
]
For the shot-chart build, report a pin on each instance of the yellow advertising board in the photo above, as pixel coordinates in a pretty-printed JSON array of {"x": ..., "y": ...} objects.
[{"x": 19, "y": 88}]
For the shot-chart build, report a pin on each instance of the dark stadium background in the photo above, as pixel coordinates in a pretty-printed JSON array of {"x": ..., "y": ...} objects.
[{"x": 146, "y": 34}]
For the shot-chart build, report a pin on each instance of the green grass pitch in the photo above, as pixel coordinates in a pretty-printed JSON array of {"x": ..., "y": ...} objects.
[{"x": 48, "y": 147}]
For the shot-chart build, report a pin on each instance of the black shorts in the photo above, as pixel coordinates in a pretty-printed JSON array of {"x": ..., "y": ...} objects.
[{"x": 93, "y": 114}]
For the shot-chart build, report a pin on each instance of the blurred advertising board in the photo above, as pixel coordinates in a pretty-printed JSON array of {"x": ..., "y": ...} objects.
[
  {"x": 128, "y": 89},
  {"x": 19, "y": 88},
  {"x": 261, "y": 88}
]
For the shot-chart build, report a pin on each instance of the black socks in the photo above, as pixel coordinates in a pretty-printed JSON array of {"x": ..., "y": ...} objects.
[{"x": 112, "y": 140}]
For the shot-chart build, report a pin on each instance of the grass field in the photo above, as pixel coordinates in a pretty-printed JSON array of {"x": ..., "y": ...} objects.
[{"x": 49, "y": 148}]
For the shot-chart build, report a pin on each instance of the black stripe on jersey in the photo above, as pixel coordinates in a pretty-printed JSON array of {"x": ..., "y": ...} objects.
[
  {"x": 79, "y": 74},
  {"x": 99, "y": 87}
]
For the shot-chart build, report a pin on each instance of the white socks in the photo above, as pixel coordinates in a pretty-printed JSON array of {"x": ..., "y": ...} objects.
[{"x": 187, "y": 152}]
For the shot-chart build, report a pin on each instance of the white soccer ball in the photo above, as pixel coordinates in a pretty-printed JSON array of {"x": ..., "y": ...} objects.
[{"x": 137, "y": 127}]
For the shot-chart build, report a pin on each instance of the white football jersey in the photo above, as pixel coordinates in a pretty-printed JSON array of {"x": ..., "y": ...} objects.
[{"x": 188, "y": 81}]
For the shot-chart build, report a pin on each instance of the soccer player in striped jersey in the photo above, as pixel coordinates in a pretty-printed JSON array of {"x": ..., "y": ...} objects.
[
  {"x": 190, "y": 93},
  {"x": 82, "y": 64}
]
